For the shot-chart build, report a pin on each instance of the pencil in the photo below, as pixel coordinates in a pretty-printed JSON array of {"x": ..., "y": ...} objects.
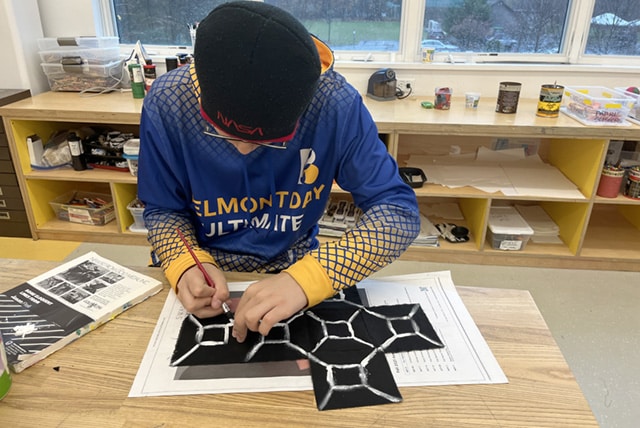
[{"x": 207, "y": 278}]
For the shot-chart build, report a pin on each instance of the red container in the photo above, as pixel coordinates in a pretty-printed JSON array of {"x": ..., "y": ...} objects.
[{"x": 610, "y": 182}]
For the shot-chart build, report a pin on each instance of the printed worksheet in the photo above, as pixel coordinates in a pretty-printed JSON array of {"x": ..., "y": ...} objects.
[{"x": 465, "y": 358}]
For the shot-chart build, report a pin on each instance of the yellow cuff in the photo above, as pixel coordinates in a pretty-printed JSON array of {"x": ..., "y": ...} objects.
[
  {"x": 184, "y": 261},
  {"x": 313, "y": 279}
]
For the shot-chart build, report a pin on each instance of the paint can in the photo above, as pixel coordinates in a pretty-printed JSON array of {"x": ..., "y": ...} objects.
[
  {"x": 550, "y": 100},
  {"x": 610, "y": 181},
  {"x": 508, "y": 97},
  {"x": 632, "y": 188},
  {"x": 5, "y": 375}
]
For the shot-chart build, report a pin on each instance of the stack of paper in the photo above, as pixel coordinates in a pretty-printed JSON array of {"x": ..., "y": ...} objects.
[
  {"x": 545, "y": 230},
  {"x": 508, "y": 171},
  {"x": 428, "y": 236}
]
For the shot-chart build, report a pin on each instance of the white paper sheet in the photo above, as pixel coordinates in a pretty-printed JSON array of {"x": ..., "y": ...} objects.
[
  {"x": 466, "y": 359},
  {"x": 503, "y": 171}
]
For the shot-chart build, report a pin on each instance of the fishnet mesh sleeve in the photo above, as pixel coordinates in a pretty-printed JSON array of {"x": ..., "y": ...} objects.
[
  {"x": 167, "y": 245},
  {"x": 383, "y": 233}
]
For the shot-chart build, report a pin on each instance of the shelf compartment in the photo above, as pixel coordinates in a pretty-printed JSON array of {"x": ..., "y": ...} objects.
[
  {"x": 40, "y": 193},
  {"x": 122, "y": 195},
  {"x": 578, "y": 173},
  {"x": 24, "y": 128},
  {"x": 571, "y": 218},
  {"x": 580, "y": 161},
  {"x": 613, "y": 233},
  {"x": 475, "y": 212}
]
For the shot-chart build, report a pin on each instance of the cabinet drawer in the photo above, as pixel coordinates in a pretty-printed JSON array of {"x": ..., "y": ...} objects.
[
  {"x": 4, "y": 153},
  {"x": 14, "y": 224},
  {"x": 7, "y": 203},
  {"x": 8, "y": 180},
  {"x": 10, "y": 192},
  {"x": 6, "y": 167},
  {"x": 11, "y": 216}
]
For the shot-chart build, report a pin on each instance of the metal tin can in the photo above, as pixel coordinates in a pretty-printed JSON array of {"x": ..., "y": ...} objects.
[{"x": 632, "y": 188}]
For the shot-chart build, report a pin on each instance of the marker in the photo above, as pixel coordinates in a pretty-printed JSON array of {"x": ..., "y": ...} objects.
[{"x": 207, "y": 278}]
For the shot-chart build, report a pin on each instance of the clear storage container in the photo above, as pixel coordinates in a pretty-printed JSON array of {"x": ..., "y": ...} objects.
[
  {"x": 83, "y": 77},
  {"x": 597, "y": 105},
  {"x": 507, "y": 229},
  {"x": 136, "y": 207},
  {"x": 95, "y": 56},
  {"x": 130, "y": 153},
  {"x": 634, "y": 113},
  {"x": 50, "y": 43},
  {"x": 84, "y": 207}
]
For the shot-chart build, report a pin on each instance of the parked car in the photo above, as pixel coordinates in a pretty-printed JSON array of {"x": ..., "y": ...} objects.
[{"x": 439, "y": 46}]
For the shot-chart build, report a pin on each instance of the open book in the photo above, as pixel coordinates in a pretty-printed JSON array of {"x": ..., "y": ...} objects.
[{"x": 44, "y": 314}]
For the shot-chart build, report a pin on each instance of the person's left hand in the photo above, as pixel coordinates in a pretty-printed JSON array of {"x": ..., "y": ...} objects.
[{"x": 267, "y": 302}]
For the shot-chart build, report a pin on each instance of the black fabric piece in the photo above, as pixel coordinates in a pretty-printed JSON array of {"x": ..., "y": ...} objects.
[
  {"x": 342, "y": 385},
  {"x": 344, "y": 341}
]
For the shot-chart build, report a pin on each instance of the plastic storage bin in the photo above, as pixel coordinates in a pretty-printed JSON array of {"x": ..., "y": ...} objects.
[
  {"x": 95, "y": 56},
  {"x": 597, "y": 105},
  {"x": 130, "y": 153},
  {"x": 83, "y": 77},
  {"x": 50, "y": 43},
  {"x": 634, "y": 114},
  {"x": 507, "y": 230},
  {"x": 84, "y": 207},
  {"x": 136, "y": 207}
]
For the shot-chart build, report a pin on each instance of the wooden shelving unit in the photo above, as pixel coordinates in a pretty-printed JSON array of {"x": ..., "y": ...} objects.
[{"x": 598, "y": 233}]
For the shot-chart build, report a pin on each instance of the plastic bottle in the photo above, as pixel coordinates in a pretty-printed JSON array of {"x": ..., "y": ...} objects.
[
  {"x": 137, "y": 80},
  {"x": 77, "y": 153},
  {"x": 149, "y": 74}
]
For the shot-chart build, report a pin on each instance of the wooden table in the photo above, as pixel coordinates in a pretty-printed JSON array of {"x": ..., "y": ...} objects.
[{"x": 86, "y": 383}]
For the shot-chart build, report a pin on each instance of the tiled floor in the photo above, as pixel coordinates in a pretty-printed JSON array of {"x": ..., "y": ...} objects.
[{"x": 593, "y": 315}]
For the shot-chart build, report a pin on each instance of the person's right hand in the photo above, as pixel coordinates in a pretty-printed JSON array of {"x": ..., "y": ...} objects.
[{"x": 195, "y": 294}]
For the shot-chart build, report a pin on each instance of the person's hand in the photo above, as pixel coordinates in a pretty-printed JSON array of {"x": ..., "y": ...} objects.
[
  {"x": 195, "y": 294},
  {"x": 267, "y": 302}
]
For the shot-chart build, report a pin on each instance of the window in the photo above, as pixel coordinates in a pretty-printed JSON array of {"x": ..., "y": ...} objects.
[
  {"x": 363, "y": 25},
  {"x": 615, "y": 28},
  {"x": 521, "y": 26},
  {"x": 567, "y": 31},
  {"x": 159, "y": 22}
]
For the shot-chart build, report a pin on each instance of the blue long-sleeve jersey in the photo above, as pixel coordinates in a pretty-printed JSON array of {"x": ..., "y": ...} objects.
[{"x": 259, "y": 211}]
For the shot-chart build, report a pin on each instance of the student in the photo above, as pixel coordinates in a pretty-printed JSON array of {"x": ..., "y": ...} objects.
[{"x": 239, "y": 151}]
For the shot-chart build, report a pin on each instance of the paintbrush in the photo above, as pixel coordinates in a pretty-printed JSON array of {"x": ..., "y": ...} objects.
[{"x": 207, "y": 278}]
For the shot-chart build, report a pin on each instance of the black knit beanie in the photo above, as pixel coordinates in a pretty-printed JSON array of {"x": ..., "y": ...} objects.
[{"x": 258, "y": 68}]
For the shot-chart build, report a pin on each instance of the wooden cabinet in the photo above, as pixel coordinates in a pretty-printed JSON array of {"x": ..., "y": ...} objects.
[
  {"x": 55, "y": 111},
  {"x": 13, "y": 217},
  {"x": 597, "y": 233}
]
